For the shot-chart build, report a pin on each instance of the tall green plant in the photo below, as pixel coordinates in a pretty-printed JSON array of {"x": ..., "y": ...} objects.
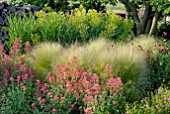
[
  {"x": 159, "y": 64},
  {"x": 80, "y": 26},
  {"x": 22, "y": 28}
]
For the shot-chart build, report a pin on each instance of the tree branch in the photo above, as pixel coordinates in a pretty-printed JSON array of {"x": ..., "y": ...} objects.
[{"x": 133, "y": 10}]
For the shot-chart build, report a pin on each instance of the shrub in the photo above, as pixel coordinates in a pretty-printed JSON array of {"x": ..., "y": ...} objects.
[
  {"x": 54, "y": 27},
  {"x": 159, "y": 64},
  {"x": 156, "y": 103},
  {"x": 69, "y": 28},
  {"x": 116, "y": 28}
]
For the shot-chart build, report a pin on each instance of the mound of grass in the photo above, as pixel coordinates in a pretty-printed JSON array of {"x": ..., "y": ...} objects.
[
  {"x": 43, "y": 55},
  {"x": 126, "y": 60}
]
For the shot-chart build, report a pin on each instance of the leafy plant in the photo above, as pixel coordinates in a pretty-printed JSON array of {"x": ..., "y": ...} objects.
[
  {"x": 156, "y": 103},
  {"x": 68, "y": 28},
  {"x": 19, "y": 89},
  {"x": 159, "y": 64},
  {"x": 68, "y": 89},
  {"x": 21, "y": 28},
  {"x": 86, "y": 89}
]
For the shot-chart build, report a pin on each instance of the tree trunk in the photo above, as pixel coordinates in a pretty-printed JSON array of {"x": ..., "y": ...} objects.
[
  {"x": 154, "y": 23},
  {"x": 139, "y": 29},
  {"x": 140, "y": 23}
]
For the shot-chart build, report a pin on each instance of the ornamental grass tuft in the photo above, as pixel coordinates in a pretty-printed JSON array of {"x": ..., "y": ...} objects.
[{"x": 126, "y": 61}]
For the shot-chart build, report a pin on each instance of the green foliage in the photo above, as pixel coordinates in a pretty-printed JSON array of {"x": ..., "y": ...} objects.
[
  {"x": 162, "y": 30},
  {"x": 82, "y": 27},
  {"x": 158, "y": 57},
  {"x": 69, "y": 28},
  {"x": 57, "y": 5},
  {"x": 99, "y": 5},
  {"x": 132, "y": 93},
  {"x": 39, "y": 3},
  {"x": 21, "y": 28},
  {"x": 14, "y": 2},
  {"x": 157, "y": 103},
  {"x": 157, "y": 5},
  {"x": 54, "y": 27},
  {"x": 161, "y": 6},
  {"x": 159, "y": 64}
]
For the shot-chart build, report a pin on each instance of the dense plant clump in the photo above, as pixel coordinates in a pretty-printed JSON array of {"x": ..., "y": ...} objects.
[
  {"x": 83, "y": 89},
  {"x": 66, "y": 29},
  {"x": 155, "y": 103},
  {"x": 20, "y": 91},
  {"x": 76, "y": 86},
  {"x": 159, "y": 64},
  {"x": 68, "y": 89},
  {"x": 145, "y": 51},
  {"x": 21, "y": 28},
  {"x": 42, "y": 57},
  {"x": 128, "y": 62}
]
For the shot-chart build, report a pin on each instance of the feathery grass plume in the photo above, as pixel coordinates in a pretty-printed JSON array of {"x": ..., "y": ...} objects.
[
  {"x": 80, "y": 52},
  {"x": 95, "y": 48},
  {"x": 129, "y": 63},
  {"x": 126, "y": 61},
  {"x": 99, "y": 44},
  {"x": 85, "y": 53},
  {"x": 44, "y": 55},
  {"x": 147, "y": 43}
]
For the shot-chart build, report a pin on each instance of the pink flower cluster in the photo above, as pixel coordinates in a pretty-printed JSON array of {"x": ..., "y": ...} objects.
[
  {"x": 167, "y": 99},
  {"x": 70, "y": 80},
  {"x": 13, "y": 70},
  {"x": 16, "y": 47},
  {"x": 1, "y": 49},
  {"x": 76, "y": 81},
  {"x": 16, "y": 74}
]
